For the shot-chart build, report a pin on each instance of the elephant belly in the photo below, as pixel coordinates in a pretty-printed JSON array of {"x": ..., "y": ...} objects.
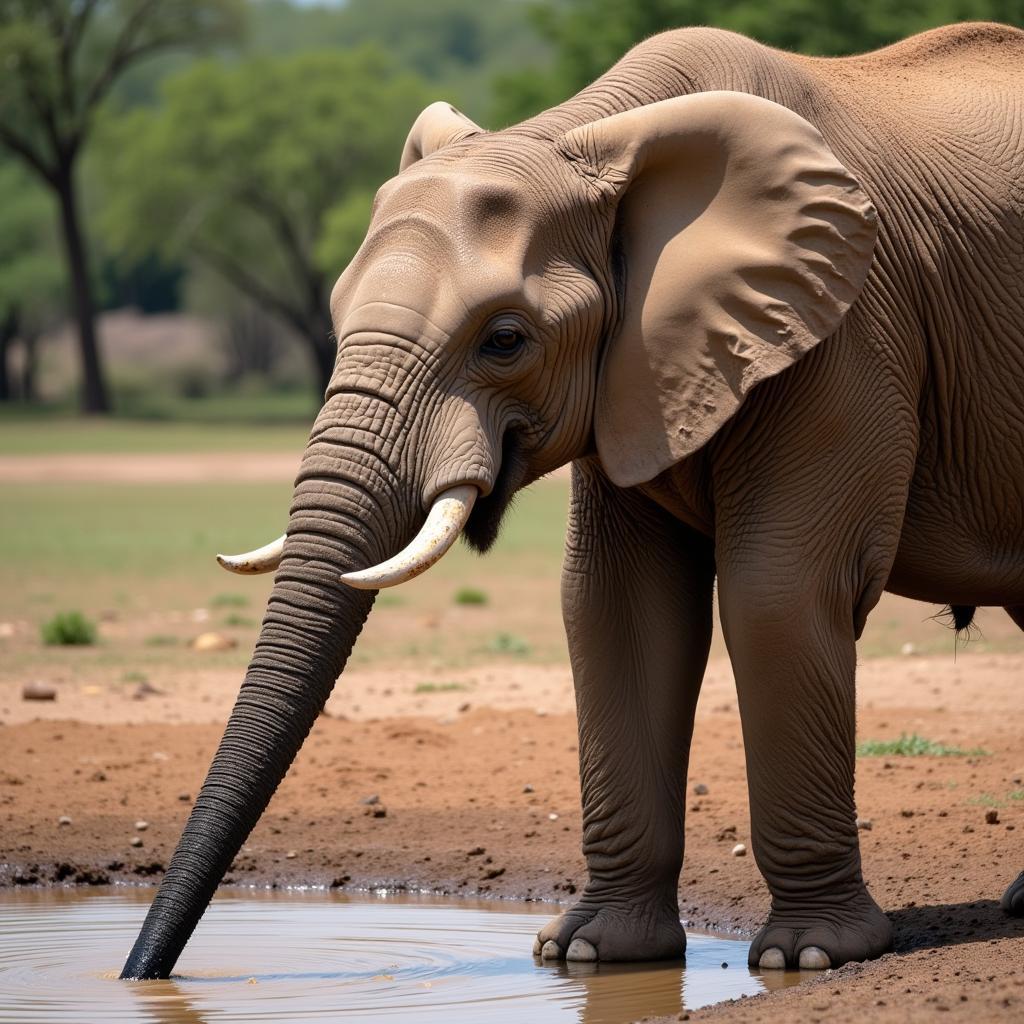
[{"x": 962, "y": 542}]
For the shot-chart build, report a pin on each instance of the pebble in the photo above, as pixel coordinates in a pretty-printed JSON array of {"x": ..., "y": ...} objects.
[
  {"x": 864, "y": 824},
  {"x": 463, "y": 708},
  {"x": 185, "y": 797},
  {"x": 739, "y": 850},
  {"x": 527, "y": 788},
  {"x": 38, "y": 691},
  {"x": 136, "y": 841},
  {"x": 700, "y": 789},
  {"x": 907, "y": 649},
  {"x": 380, "y": 811},
  {"x": 213, "y": 642},
  {"x": 991, "y": 816},
  {"x": 63, "y": 820},
  {"x": 291, "y": 854},
  {"x": 373, "y": 798},
  {"x": 552, "y": 816},
  {"x": 141, "y": 826}
]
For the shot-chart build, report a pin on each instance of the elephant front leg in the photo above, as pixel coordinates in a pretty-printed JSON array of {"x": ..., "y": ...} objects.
[
  {"x": 636, "y": 593},
  {"x": 794, "y": 657}
]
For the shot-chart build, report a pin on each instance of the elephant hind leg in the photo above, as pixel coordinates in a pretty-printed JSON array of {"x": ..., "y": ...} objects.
[
  {"x": 1016, "y": 612},
  {"x": 1013, "y": 899}
]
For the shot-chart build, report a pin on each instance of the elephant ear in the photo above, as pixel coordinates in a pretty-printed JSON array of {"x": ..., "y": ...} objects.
[
  {"x": 438, "y": 126},
  {"x": 743, "y": 242}
]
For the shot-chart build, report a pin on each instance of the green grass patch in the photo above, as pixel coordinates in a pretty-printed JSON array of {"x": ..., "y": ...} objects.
[
  {"x": 509, "y": 643},
  {"x": 439, "y": 687},
  {"x": 134, "y": 676},
  {"x": 234, "y": 619},
  {"x": 913, "y": 745},
  {"x": 161, "y": 640},
  {"x": 229, "y": 601},
  {"x": 68, "y": 629},
  {"x": 471, "y": 596}
]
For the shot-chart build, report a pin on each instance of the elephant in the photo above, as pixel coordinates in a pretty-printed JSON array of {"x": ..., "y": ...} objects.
[{"x": 771, "y": 309}]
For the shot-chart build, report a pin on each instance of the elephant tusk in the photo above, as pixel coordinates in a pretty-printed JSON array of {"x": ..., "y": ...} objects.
[
  {"x": 252, "y": 563},
  {"x": 444, "y": 523}
]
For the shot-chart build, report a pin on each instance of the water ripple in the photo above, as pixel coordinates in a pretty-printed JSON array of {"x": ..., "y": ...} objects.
[{"x": 315, "y": 956}]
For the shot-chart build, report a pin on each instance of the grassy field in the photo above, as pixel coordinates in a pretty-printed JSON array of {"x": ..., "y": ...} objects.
[{"x": 138, "y": 559}]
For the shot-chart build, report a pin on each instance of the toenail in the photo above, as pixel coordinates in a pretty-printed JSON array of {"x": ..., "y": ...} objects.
[
  {"x": 580, "y": 949},
  {"x": 536, "y": 947},
  {"x": 772, "y": 960},
  {"x": 550, "y": 951},
  {"x": 814, "y": 959}
]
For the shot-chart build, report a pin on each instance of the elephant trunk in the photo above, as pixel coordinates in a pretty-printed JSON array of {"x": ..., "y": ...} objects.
[{"x": 347, "y": 512}]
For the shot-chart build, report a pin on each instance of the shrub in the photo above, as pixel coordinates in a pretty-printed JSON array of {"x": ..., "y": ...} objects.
[
  {"x": 470, "y": 595},
  {"x": 508, "y": 643},
  {"x": 439, "y": 687},
  {"x": 69, "y": 629}
]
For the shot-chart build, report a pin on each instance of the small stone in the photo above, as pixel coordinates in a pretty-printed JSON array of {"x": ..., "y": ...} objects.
[
  {"x": 739, "y": 850},
  {"x": 145, "y": 689},
  {"x": 552, "y": 816},
  {"x": 369, "y": 801},
  {"x": 906, "y": 814},
  {"x": 141, "y": 826},
  {"x": 908, "y": 649},
  {"x": 968, "y": 828},
  {"x": 291, "y": 854},
  {"x": 185, "y": 797},
  {"x": 864, "y": 824},
  {"x": 991, "y": 816},
  {"x": 700, "y": 789},
  {"x": 477, "y": 851},
  {"x": 135, "y": 841},
  {"x": 64, "y": 820},
  {"x": 380, "y": 811},
  {"x": 724, "y": 965},
  {"x": 207, "y": 642},
  {"x": 463, "y": 708},
  {"x": 527, "y": 788},
  {"x": 38, "y": 691}
]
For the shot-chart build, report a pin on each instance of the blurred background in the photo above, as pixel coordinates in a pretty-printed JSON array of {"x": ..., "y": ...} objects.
[{"x": 181, "y": 182}]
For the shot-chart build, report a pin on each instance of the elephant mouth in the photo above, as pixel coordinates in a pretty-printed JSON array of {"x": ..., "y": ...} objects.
[{"x": 484, "y": 524}]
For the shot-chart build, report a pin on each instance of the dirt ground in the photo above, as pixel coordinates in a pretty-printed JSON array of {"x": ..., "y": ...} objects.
[{"x": 481, "y": 796}]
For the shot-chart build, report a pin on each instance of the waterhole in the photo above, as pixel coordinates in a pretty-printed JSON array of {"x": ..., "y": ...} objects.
[{"x": 269, "y": 956}]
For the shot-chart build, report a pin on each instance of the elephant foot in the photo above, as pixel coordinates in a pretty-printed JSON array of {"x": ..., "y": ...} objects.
[
  {"x": 818, "y": 935},
  {"x": 1012, "y": 902},
  {"x": 596, "y": 930}
]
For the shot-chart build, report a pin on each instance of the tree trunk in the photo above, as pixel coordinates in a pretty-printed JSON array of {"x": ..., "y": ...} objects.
[
  {"x": 94, "y": 397},
  {"x": 8, "y": 329},
  {"x": 30, "y": 366}
]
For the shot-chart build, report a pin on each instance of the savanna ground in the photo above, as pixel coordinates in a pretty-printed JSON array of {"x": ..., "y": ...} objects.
[{"x": 456, "y": 711}]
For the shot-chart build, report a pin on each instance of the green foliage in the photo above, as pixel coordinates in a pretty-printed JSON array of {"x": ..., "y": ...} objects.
[
  {"x": 471, "y": 596},
  {"x": 440, "y": 687},
  {"x": 914, "y": 746},
  {"x": 31, "y": 280},
  {"x": 509, "y": 643},
  {"x": 134, "y": 676},
  {"x": 229, "y": 601},
  {"x": 588, "y": 36},
  {"x": 68, "y": 629},
  {"x": 263, "y": 172}
]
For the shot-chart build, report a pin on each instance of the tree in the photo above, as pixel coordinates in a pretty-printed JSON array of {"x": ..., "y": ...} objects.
[
  {"x": 263, "y": 172},
  {"x": 31, "y": 284},
  {"x": 59, "y": 60}
]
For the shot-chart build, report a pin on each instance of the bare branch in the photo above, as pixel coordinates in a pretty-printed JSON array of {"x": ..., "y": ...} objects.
[{"x": 21, "y": 146}]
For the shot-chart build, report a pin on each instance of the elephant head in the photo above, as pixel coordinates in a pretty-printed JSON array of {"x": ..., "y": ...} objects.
[{"x": 521, "y": 299}]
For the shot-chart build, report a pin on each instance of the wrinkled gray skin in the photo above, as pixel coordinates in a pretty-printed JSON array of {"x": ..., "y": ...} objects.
[{"x": 891, "y": 456}]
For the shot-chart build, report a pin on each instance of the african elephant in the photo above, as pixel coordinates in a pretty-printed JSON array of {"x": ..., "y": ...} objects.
[{"x": 771, "y": 307}]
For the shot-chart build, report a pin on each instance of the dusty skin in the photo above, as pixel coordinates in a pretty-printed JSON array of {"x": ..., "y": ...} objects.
[{"x": 106, "y": 762}]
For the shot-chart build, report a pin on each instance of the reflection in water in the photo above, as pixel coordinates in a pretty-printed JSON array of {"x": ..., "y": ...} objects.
[{"x": 318, "y": 956}]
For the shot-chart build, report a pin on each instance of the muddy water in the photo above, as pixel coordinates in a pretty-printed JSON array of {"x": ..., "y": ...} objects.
[{"x": 259, "y": 956}]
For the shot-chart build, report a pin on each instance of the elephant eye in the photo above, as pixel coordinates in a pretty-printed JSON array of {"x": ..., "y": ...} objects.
[{"x": 504, "y": 341}]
